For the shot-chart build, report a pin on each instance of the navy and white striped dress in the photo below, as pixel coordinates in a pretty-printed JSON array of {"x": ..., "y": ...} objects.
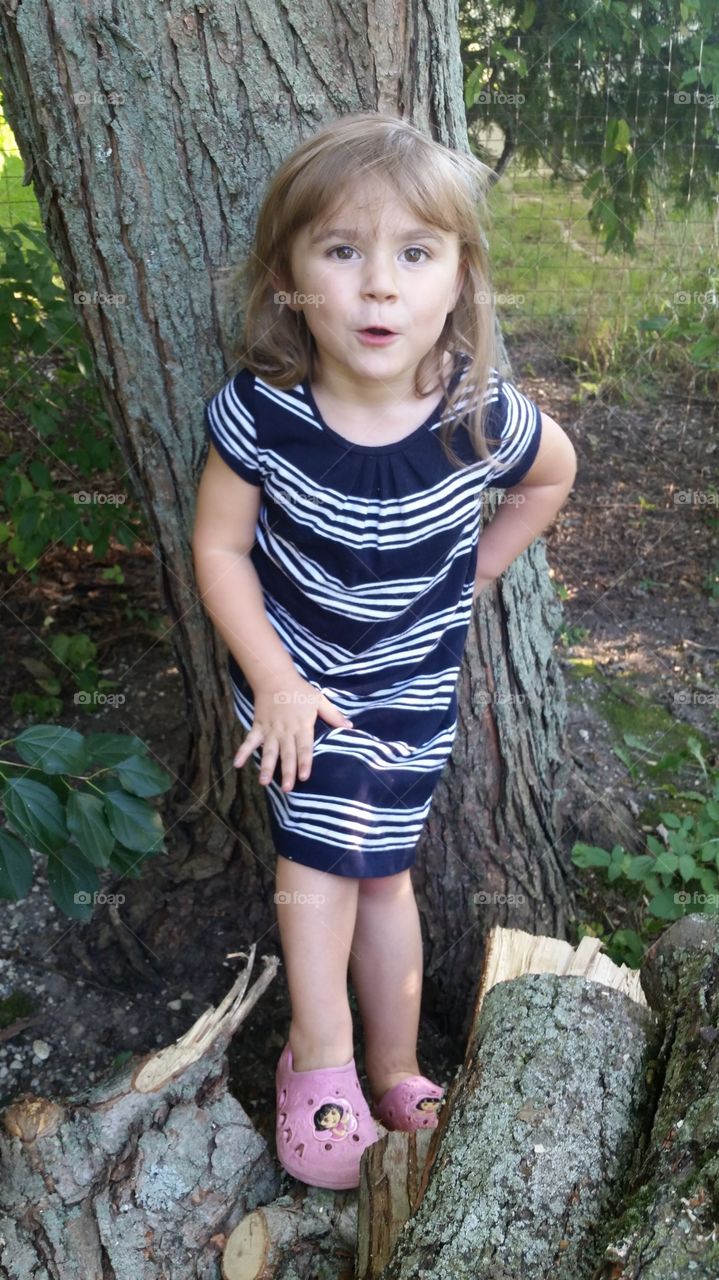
[{"x": 366, "y": 555}]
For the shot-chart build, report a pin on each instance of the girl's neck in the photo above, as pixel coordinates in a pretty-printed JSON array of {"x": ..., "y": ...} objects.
[
  {"x": 357, "y": 402},
  {"x": 372, "y": 424}
]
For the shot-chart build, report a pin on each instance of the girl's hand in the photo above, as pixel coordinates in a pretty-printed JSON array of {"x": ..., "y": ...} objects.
[{"x": 284, "y": 725}]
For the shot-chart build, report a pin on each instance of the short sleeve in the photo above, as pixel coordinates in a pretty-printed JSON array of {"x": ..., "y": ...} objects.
[
  {"x": 515, "y": 422},
  {"x": 231, "y": 426}
]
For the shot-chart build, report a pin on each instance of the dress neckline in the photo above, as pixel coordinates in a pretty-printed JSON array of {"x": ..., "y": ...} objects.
[{"x": 460, "y": 362}]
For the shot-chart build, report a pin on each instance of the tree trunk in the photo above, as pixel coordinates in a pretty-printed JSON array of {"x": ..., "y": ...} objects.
[
  {"x": 149, "y": 134},
  {"x": 142, "y": 1175}
]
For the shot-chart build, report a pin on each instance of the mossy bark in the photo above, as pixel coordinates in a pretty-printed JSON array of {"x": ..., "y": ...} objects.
[{"x": 668, "y": 1225}]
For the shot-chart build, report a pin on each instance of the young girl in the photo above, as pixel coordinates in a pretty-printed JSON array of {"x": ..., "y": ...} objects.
[{"x": 337, "y": 551}]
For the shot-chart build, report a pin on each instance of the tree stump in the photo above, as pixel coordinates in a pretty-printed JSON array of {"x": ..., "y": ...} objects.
[
  {"x": 539, "y": 1127},
  {"x": 142, "y": 1176},
  {"x": 669, "y": 1220}
]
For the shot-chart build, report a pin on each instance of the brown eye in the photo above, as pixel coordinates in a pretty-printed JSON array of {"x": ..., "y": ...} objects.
[{"x": 415, "y": 248}]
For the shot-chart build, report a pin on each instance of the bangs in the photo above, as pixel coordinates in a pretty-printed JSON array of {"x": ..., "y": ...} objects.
[{"x": 436, "y": 186}]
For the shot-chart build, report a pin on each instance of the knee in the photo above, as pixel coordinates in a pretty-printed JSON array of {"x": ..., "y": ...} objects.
[{"x": 385, "y": 886}]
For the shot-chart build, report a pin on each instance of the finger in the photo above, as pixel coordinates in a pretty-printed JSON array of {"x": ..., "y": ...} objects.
[
  {"x": 289, "y": 762},
  {"x": 332, "y": 714},
  {"x": 304, "y": 761},
  {"x": 269, "y": 760},
  {"x": 253, "y": 739}
]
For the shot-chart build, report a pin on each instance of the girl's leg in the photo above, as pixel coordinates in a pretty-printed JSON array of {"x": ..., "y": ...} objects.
[
  {"x": 316, "y": 913},
  {"x": 386, "y": 969}
]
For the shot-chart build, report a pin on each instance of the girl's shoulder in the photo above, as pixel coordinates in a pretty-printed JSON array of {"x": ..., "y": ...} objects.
[{"x": 230, "y": 425}]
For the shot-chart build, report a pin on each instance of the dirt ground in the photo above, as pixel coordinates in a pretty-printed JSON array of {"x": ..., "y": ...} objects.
[{"x": 634, "y": 556}]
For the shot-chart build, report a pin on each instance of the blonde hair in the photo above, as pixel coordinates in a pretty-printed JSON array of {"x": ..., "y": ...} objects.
[{"x": 444, "y": 188}]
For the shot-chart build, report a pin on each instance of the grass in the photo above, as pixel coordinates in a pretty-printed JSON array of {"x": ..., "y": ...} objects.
[
  {"x": 555, "y": 285},
  {"x": 543, "y": 250}
]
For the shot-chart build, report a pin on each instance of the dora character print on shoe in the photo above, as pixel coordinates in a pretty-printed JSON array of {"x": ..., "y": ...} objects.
[
  {"x": 429, "y": 1104},
  {"x": 334, "y": 1119}
]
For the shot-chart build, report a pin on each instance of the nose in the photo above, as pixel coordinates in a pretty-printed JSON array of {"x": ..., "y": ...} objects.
[{"x": 378, "y": 276}]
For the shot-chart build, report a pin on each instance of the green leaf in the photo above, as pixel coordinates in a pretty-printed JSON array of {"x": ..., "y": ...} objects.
[
  {"x": 127, "y": 861},
  {"x": 40, "y": 475},
  {"x": 52, "y": 748},
  {"x": 639, "y": 867},
  {"x": 526, "y": 17},
  {"x": 86, "y": 824},
  {"x": 694, "y": 746},
  {"x": 110, "y": 748},
  {"x": 622, "y": 136},
  {"x": 630, "y": 941},
  {"x": 15, "y": 866},
  {"x": 706, "y": 347},
  {"x": 588, "y": 855},
  {"x": 666, "y": 862},
  {"x": 665, "y": 906},
  {"x": 593, "y": 181},
  {"x": 670, "y": 820},
  {"x": 687, "y": 867},
  {"x": 474, "y": 86},
  {"x": 73, "y": 881},
  {"x": 133, "y": 822},
  {"x": 35, "y": 812},
  {"x": 142, "y": 776},
  {"x": 708, "y": 881}
]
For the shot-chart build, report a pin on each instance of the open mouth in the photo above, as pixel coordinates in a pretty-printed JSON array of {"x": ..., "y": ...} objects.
[{"x": 380, "y": 333}]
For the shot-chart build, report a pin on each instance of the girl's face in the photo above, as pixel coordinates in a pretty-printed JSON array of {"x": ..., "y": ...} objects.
[{"x": 375, "y": 265}]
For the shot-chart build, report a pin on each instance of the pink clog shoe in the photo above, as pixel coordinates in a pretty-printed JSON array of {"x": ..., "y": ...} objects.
[
  {"x": 411, "y": 1104},
  {"x": 323, "y": 1123}
]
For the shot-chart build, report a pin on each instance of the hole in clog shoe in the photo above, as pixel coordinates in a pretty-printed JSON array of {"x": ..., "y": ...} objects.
[
  {"x": 282, "y": 1118},
  {"x": 355, "y": 1137},
  {"x": 281, "y": 1099},
  {"x": 328, "y": 1146},
  {"x": 300, "y": 1149},
  {"x": 287, "y": 1135}
]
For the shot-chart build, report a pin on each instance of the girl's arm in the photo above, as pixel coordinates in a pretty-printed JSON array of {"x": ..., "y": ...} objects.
[
  {"x": 223, "y": 536},
  {"x": 528, "y": 507}
]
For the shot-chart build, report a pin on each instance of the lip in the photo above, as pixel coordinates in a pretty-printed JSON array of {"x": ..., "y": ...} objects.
[{"x": 376, "y": 339}]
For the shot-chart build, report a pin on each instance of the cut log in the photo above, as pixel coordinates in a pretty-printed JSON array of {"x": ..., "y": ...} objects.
[
  {"x": 539, "y": 1127},
  {"x": 310, "y": 1237},
  {"x": 142, "y": 1176},
  {"x": 670, "y": 1217}
]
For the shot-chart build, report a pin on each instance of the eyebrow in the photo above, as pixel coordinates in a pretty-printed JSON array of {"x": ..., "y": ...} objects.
[{"x": 344, "y": 233}]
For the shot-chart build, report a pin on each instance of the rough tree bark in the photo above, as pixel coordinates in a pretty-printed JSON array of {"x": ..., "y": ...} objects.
[
  {"x": 149, "y": 133},
  {"x": 138, "y": 1178}
]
